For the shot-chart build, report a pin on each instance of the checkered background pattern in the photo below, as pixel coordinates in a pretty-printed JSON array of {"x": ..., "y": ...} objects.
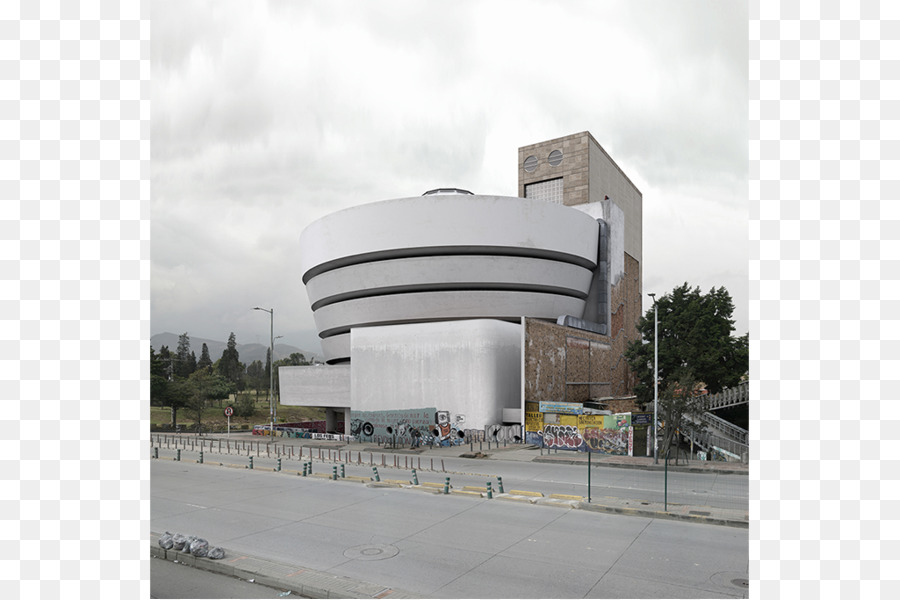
[
  {"x": 74, "y": 179},
  {"x": 824, "y": 299},
  {"x": 74, "y": 156}
]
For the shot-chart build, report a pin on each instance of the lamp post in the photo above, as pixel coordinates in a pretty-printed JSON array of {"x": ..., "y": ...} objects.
[
  {"x": 277, "y": 393},
  {"x": 655, "y": 380},
  {"x": 271, "y": 312}
]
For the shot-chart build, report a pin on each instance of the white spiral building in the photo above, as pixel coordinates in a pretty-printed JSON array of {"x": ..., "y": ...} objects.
[
  {"x": 444, "y": 257},
  {"x": 455, "y": 311}
]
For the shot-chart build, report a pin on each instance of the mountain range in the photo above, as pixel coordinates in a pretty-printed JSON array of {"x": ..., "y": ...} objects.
[{"x": 247, "y": 353}]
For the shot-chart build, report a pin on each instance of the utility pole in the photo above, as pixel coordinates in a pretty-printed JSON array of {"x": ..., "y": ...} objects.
[
  {"x": 271, "y": 312},
  {"x": 655, "y": 381}
]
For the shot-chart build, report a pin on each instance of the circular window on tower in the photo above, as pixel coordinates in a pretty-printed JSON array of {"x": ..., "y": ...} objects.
[
  {"x": 531, "y": 163},
  {"x": 555, "y": 158}
]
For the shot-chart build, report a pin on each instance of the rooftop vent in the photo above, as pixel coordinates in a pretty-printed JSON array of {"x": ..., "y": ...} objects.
[{"x": 442, "y": 191}]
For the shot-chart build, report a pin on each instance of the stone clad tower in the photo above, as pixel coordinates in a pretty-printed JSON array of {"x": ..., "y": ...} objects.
[{"x": 576, "y": 171}]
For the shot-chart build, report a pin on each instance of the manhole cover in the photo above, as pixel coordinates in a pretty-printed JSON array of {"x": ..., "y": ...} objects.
[
  {"x": 731, "y": 579},
  {"x": 371, "y": 552}
]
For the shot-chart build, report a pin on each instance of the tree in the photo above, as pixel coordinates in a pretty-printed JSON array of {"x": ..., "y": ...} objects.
[
  {"x": 164, "y": 390},
  {"x": 244, "y": 405},
  {"x": 159, "y": 380},
  {"x": 256, "y": 376},
  {"x": 184, "y": 366},
  {"x": 694, "y": 338},
  {"x": 205, "y": 361},
  {"x": 681, "y": 410},
  {"x": 695, "y": 348},
  {"x": 201, "y": 387},
  {"x": 230, "y": 366}
]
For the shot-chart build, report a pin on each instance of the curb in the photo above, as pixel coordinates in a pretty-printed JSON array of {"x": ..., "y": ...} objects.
[
  {"x": 679, "y": 468},
  {"x": 656, "y": 514},
  {"x": 306, "y": 582}
]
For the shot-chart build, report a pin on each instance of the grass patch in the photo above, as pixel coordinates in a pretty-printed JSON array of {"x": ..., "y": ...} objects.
[{"x": 214, "y": 418}]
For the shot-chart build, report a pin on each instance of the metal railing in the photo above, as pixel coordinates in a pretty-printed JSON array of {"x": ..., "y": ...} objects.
[
  {"x": 725, "y": 428},
  {"x": 739, "y": 394}
]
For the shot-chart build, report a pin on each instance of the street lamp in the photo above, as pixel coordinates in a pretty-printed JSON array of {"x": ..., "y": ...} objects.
[
  {"x": 277, "y": 392},
  {"x": 655, "y": 380},
  {"x": 271, "y": 312}
]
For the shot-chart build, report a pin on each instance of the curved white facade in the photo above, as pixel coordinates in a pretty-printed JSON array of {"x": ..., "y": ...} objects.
[{"x": 445, "y": 257}]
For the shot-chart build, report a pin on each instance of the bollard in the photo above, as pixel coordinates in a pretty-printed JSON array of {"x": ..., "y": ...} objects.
[
  {"x": 201, "y": 457},
  {"x": 342, "y": 472},
  {"x": 178, "y": 454},
  {"x": 375, "y": 470},
  {"x": 334, "y": 473},
  {"x": 251, "y": 461},
  {"x": 415, "y": 478},
  {"x": 490, "y": 493},
  {"x": 278, "y": 467},
  {"x": 500, "y": 484},
  {"x": 447, "y": 485}
]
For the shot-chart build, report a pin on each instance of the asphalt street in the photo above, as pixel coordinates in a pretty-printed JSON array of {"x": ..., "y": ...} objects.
[
  {"x": 408, "y": 543},
  {"x": 702, "y": 492}
]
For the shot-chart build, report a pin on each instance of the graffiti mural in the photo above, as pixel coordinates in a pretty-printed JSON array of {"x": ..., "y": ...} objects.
[
  {"x": 564, "y": 437},
  {"x": 609, "y": 434},
  {"x": 426, "y": 426}
]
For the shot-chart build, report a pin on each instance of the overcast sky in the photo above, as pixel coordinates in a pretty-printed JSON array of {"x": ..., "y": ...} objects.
[{"x": 269, "y": 115}]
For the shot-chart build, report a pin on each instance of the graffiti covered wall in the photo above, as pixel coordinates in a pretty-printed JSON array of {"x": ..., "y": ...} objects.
[
  {"x": 430, "y": 425},
  {"x": 609, "y": 434}
]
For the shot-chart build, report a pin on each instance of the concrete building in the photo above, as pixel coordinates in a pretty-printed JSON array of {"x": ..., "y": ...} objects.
[{"x": 455, "y": 314}]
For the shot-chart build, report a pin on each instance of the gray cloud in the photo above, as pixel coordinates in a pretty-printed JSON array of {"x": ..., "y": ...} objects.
[{"x": 267, "y": 116}]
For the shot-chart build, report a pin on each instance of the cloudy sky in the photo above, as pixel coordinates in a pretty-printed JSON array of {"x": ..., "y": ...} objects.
[{"x": 269, "y": 115}]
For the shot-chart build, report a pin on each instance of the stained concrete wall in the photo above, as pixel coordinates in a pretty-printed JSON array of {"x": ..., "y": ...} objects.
[
  {"x": 315, "y": 385},
  {"x": 470, "y": 368}
]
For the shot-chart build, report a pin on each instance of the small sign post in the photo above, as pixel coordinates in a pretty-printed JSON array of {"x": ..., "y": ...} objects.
[{"x": 228, "y": 412}]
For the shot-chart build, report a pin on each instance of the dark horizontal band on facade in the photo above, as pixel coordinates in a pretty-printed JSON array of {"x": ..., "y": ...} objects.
[
  {"x": 448, "y": 287},
  {"x": 346, "y": 329},
  {"x": 487, "y": 251}
]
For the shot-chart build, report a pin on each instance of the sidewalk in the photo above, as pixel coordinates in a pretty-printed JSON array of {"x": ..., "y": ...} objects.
[{"x": 494, "y": 451}]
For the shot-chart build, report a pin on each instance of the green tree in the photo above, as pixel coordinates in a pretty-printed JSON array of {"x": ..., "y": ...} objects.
[
  {"x": 184, "y": 364},
  {"x": 199, "y": 389},
  {"x": 695, "y": 338},
  {"x": 680, "y": 410},
  {"x": 230, "y": 366},
  {"x": 256, "y": 376},
  {"x": 205, "y": 361},
  {"x": 244, "y": 405},
  {"x": 695, "y": 348},
  {"x": 164, "y": 391}
]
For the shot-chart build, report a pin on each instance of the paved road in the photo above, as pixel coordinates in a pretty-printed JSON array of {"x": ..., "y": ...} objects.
[
  {"x": 444, "y": 546},
  {"x": 172, "y": 580},
  {"x": 702, "y": 492}
]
